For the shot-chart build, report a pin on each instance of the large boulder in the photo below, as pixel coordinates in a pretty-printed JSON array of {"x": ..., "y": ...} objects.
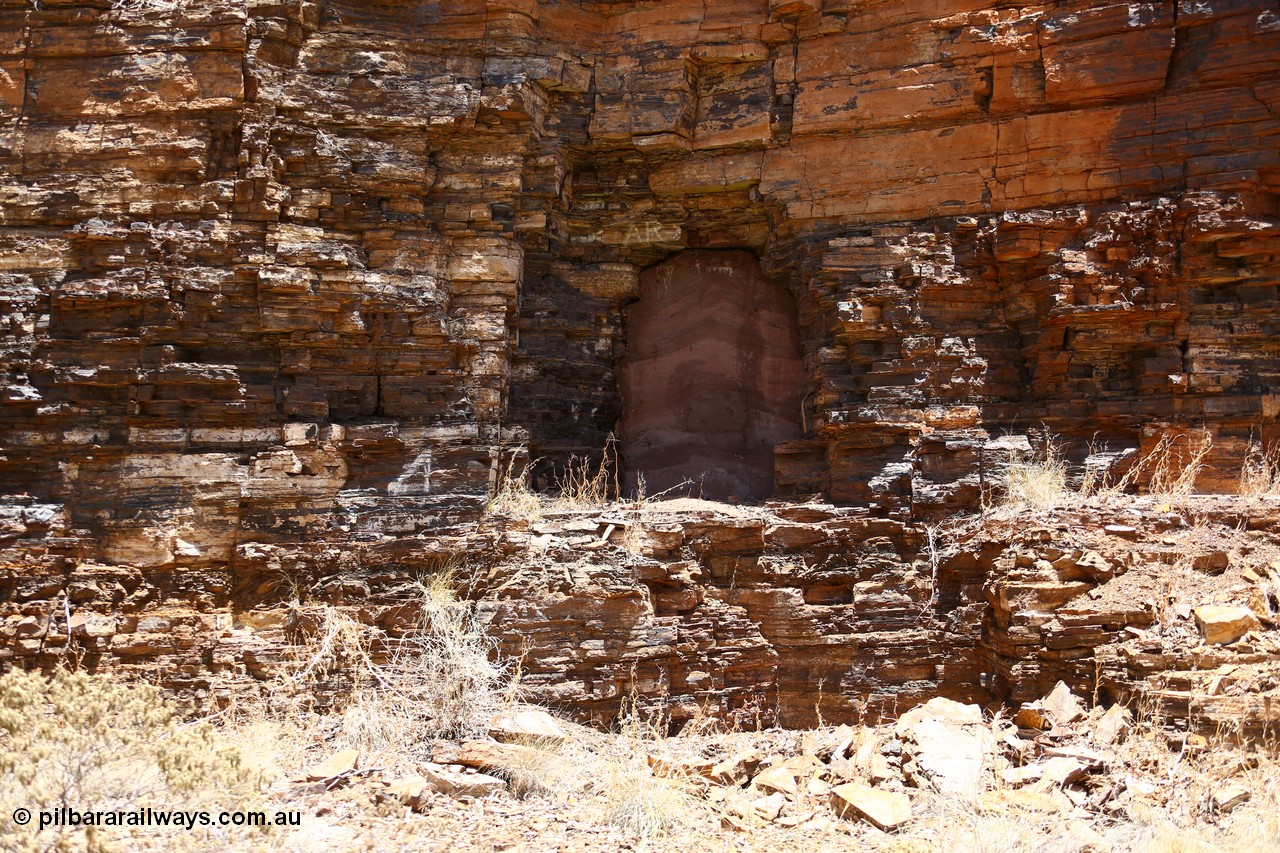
[{"x": 947, "y": 746}]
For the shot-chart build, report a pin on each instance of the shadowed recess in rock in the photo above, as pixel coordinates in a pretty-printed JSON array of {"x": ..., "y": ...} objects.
[{"x": 711, "y": 377}]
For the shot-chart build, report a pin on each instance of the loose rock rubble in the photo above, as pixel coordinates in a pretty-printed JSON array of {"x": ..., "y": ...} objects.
[
  {"x": 1075, "y": 776},
  {"x": 781, "y": 614}
]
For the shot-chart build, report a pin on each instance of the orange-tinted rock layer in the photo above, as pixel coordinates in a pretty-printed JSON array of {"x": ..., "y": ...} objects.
[{"x": 286, "y": 277}]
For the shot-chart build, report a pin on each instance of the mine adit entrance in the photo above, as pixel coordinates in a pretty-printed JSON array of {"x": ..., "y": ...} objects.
[{"x": 711, "y": 378}]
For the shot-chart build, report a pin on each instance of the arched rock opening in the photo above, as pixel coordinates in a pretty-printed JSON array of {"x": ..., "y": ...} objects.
[{"x": 712, "y": 376}]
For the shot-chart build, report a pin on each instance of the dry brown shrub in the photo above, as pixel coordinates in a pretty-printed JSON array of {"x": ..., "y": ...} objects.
[{"x": 442, "y": 678}]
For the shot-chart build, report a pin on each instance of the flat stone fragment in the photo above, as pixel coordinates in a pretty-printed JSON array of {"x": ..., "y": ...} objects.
[
  {"x": 1221, "y": 624},
  {"x": 946, "y": 746},
  {"x": 491, "y": 756},
  {"x": 886, "y": 810},
  {"x": 343, "y": 761},
  {"x": 1226, "y": 799},
  {"x": 941, "y": 709},
  {"x": 1031, "y": 716},
  {"x": 410, "y": 791},
  {"x": 949, "y": 758},
  {"x": 531, "y": 724},
  {"x": 778, "y": 779},
  {"x": 467, "y": 783},
  {"x": 1023, "y": 800},
  {"x": 1112, "y": 725},
  {"x": 768, "y": 808},
  {"x": 680, "y": 768},
  {"x": 1017, "y": 776},
  {"x": 736, "y": 769},
  {"x": 1063, "y": 770},
  {"x": 1062, "y": 705}
]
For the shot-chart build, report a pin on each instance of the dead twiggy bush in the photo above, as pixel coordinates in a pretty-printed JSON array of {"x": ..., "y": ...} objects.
[{"x": 393, "y": 694}]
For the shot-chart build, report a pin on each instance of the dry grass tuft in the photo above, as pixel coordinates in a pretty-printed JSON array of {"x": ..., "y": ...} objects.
[
  {"x": 951, "y": 823},
  {"x": 512, "y": 494},
  {"x": 605, "y": 779},
  {"x": 633, "y": 798},
  {"x": 1040, "y": 482},
  {"x": 584, "y": 484},
  {"x": 1260, "y": 476},
  {"x": 1169, "y": 471},
  {"x": 1174, "y": 465}
]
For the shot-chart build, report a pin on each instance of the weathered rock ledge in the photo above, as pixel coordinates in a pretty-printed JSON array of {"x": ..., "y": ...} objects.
[{"x": 787, "y": 613}]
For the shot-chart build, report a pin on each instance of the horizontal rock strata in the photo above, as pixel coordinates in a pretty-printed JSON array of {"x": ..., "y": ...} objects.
[
  {"x": 286, "y": 284},
  {"x": 788, "y": 614}
]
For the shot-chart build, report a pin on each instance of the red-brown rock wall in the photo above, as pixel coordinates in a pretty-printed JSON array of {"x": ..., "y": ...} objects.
[
  {"x": 284, "y": 281},
  {"x": 710, "y": 379}
]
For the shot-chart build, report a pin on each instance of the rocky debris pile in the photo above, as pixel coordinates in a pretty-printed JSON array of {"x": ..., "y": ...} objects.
[
  {"x": 457, "y": 770},
  {"x": 1089, "y": 769},
  {"x": 887, "y": 775},
  {"x": 1113, "y": 609}
]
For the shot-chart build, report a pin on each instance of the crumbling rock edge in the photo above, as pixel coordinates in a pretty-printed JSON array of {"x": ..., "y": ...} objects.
[{"x": 782, "y": 614}]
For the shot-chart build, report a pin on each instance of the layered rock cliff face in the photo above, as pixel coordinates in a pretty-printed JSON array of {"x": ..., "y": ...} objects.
[{"x": 286, "y": 282}]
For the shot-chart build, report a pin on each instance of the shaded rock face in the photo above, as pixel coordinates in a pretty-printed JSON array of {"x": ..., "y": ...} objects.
[
  {"x": 283, "y": 283},
  {"x": 711, "y": 378}
]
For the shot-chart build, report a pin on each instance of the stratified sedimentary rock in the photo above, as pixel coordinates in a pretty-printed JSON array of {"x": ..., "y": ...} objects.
[{"x": 285, "y": 284}]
